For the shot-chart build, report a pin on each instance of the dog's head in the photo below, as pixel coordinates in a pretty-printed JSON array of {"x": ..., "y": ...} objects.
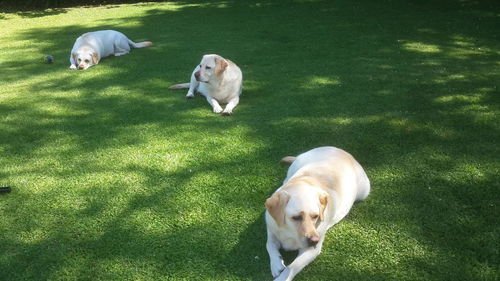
[
  {"x": 85, "y": 58},
  {"x": 211, "y": 67},
  {"x": 299, "y": 212}
]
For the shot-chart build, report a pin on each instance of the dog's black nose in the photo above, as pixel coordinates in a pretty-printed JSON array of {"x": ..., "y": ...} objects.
[
  {"x": 197, "y": 75},
  {"x": 313, "y": 240}
]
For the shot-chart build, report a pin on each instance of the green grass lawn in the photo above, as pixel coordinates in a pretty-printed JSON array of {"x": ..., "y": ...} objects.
[{"x": 115, "y": 177}]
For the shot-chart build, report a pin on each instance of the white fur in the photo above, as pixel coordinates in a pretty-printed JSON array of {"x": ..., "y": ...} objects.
[
  {"x": 218, "y": 87},
  {"x": 92, "y": 46},
  {"x": 325, "y": 172}
]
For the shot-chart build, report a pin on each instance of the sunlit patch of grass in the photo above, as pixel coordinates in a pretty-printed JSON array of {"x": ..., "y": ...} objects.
[
  {"x": 451, "y": 78},
  {"x": 421, "y": 47},
  {"x": 318, "y": 81},
  {"x": 461, "y": 98}
]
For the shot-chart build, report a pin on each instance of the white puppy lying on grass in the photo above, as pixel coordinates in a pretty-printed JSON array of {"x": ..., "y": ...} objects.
[
  {"x": 92, "y": 46},
  {"x": 319, "y": 190}
]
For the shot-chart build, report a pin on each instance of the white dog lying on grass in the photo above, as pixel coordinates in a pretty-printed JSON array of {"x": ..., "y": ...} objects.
[
  {"x": 92, "y": 46},
  {"x": 219, "y": 80},
  {"x": 319, "y": 190}
]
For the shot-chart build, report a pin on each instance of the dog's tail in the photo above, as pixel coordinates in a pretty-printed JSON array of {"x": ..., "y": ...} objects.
[
  {"x": 179, "y": 86},
  {"x": 288, "y": 159},
  {"x": 140, "y": 44}
]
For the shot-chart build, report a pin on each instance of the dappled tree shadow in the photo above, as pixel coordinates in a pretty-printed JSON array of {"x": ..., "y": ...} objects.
[
  {"x": 405, "y": 96},
  {"x": 41, "y": 13}
]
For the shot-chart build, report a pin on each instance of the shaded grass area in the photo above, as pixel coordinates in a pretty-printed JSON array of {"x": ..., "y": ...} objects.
[{"x": 117, "y": 178}]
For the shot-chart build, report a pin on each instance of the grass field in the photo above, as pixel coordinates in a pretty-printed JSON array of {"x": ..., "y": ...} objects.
[{"x": 115, "y": 177}]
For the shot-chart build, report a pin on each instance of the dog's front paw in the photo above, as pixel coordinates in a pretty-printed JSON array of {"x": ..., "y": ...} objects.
[
  {"x": 72, "y": 67},
  {"x": 284, "y": 275},
  {"x": 217, "y": 109},
  {"x": 190, "y": 95},
  {"x": 227, "y": 113},
  {"x": 277, "y": 268}
]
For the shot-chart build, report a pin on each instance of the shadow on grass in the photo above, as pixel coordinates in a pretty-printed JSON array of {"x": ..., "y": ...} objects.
[
  {"x": 416, "y": 102},
  {"x": 41, "y": 13}
]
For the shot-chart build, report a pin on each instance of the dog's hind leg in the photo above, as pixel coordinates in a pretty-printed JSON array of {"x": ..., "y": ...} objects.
[
  {"x": 121, "y": 48},
  {"x": 362, "y": 181}
]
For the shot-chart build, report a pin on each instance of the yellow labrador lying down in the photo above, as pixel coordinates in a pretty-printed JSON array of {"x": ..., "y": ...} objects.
[
  {"x": 319, "y": 190},
  {"x": 92, "y": 46},
  {"x": 219, "y": 80}
]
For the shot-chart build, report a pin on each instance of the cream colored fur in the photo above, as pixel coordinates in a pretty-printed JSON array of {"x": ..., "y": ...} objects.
[
  {"x": 319, "y": 190},
  {"x": 219, "y": 80},
  {"x": 91, "y": 47}
]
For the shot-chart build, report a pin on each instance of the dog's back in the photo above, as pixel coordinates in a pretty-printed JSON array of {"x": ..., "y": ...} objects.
[{"x": 334, "y": 159}]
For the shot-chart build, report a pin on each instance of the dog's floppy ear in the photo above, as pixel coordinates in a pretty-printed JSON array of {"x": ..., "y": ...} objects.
[
  {"x": 275, "y": 205},
  {"x": 95, "y": 58},
  {"x": 323, "y": 201},
  {"x": 220, "y": 65}
]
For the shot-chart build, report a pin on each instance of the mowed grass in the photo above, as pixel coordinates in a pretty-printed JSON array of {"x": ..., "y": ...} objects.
[{"x": 115, "y": 177}]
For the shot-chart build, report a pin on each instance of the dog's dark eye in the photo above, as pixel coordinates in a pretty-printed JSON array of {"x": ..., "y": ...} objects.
[
  {"x": 79, "y": 59},
  {"x": 208, "y": 67},
  {"x": 297, "y": 218},
  {"x": 314, "y": 217},
  {"x": 87, "y": 61}
]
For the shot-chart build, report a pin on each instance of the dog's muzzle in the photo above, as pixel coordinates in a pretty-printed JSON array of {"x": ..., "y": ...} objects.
[
  {"x": 197, "y": 76},
  {"x": 313, "y": 240}
]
